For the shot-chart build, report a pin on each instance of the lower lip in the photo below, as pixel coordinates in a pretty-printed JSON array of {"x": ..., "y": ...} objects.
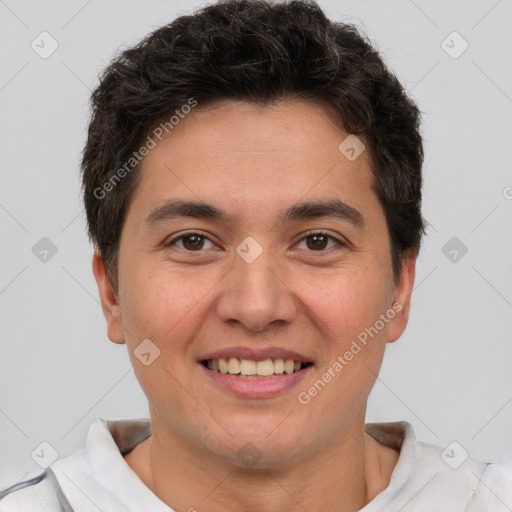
[{"x": 266, "y": 387}]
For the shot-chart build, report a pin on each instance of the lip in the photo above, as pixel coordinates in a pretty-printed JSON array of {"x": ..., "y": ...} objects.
[
  {"x": 266, "y": 387},
  {"x": 259, "y": 354}
]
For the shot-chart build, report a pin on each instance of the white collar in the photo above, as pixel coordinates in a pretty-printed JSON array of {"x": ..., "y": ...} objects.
[{"x": 107, "y": 441}]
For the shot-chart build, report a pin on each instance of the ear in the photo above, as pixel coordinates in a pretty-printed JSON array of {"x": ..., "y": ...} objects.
[
  {"x": 109, "y": 304},
  {"x": 402, "y": 296}
]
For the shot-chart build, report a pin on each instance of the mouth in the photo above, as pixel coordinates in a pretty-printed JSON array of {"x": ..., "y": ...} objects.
[
  {"x": 255, "y": 378},
  {"x": 253, "y": 369}
]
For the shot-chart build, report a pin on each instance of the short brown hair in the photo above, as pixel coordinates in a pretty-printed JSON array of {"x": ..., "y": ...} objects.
[{"x": 259, "y": 51}]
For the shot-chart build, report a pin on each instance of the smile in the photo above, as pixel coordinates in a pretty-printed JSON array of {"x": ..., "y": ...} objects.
[
  {"x": 252, "y": 379},
  {"x": 253, "y": 369}
]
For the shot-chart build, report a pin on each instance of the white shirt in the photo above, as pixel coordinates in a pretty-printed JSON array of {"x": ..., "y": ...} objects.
[{"x": 98, "y": 478}]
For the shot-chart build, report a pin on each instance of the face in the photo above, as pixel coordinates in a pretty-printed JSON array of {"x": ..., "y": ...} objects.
[{"x": 254, "y": 273}]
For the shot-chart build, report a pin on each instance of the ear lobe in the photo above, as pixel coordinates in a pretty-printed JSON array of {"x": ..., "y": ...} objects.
[
  {"x": 109, "y": 304},
  {"x": 402, "y": 296}
]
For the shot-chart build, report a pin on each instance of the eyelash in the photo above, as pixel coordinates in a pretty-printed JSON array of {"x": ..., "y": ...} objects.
[{"x": 306, "y": 235}]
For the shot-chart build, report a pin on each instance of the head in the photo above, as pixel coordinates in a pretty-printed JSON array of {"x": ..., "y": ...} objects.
[{"x": 244, "y": 106}]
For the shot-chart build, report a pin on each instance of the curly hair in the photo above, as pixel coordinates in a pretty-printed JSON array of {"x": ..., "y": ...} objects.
[{"x": 257, "y": 51}]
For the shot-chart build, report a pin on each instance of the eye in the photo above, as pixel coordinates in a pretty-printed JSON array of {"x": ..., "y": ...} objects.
[
  {"x": 191, "y": 241},
  {"x": 318, "y": 241}
]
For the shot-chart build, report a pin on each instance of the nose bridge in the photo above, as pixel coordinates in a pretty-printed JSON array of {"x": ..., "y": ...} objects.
[
  {"x": 258, "y": 279},
  {"x": 255, "y": 295}
]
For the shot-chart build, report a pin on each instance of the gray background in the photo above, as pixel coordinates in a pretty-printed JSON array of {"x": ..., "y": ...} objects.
[{"x": 449, "y": 374}]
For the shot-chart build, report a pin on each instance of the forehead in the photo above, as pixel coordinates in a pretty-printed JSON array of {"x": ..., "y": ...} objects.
[{"x": 257, "y": 158}]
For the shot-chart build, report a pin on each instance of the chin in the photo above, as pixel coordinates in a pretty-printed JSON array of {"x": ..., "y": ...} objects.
[{"x": 257, "y": 447}]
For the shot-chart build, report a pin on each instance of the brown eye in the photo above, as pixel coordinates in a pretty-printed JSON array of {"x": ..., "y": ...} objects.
[
  {"x": 319, "y": 241},
  {"x": 192, "y": 242}
]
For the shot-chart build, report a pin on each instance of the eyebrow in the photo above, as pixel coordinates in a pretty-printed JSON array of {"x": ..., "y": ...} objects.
[
  {"x": 335, "y": 208},
  {"x": 318, "y": 209}
]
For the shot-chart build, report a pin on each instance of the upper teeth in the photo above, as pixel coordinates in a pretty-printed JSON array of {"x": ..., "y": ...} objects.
[{"x": 235, "y": 366}]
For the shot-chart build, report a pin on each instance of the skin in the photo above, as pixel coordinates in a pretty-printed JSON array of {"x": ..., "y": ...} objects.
[{"x": 254, "y": 161}]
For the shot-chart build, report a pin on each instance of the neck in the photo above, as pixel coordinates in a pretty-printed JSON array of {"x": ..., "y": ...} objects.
[{"x": 342, "y": 476}]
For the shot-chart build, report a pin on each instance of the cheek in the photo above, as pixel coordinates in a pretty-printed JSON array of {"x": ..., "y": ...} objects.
[
  {"x": 158, "y": 302},
  {"x": 344, "y": 310},
  {"x": 166, "y": 308},
  {"x": 345, "y": 301}
]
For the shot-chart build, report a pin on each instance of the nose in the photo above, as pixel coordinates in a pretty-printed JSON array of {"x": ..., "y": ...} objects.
[{"x": 256, "y": 295}]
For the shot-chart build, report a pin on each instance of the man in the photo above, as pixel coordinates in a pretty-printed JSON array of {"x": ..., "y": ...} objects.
[{"x": 252, "y": 182}]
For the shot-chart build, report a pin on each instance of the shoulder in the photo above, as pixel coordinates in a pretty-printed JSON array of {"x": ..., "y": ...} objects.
[
  {"x": 493, "y": 491},
  {"x": 427, "y": 475},
  {"x": 39, "y": 494},
  {"x": 476, "y": 485},
  {"x": 97, "y": 473}
]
